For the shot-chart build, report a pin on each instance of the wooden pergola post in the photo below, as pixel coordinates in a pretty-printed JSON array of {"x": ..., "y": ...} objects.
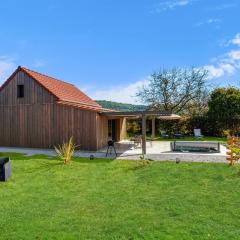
[
  {"x": 123, "y": 131},
  {"x": 153, "y": 127},
  {"x": 144, "y": 134}
]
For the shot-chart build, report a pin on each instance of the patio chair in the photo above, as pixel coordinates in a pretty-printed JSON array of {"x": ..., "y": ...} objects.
[
  {"x": 164, "y": 134},
  {"x": 137, "y": 141},
  {"x": 177, "y": 135},
  {"x": 197, "y": 133}
]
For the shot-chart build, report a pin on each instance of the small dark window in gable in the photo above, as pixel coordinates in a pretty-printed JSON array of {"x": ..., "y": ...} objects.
[{"x": 20, "y": 91}]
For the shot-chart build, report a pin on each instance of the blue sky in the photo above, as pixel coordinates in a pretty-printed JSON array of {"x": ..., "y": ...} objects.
[{"x": 109, "y": 48}]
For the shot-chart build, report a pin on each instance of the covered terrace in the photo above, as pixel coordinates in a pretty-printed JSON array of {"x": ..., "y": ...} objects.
[{"x": 143, "y": 115}]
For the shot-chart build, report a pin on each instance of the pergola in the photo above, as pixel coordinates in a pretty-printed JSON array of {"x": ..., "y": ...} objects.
[{"x": 164, "y": 115}]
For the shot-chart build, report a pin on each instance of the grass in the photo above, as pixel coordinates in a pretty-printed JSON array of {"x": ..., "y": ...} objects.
[{"x": 104, "y": 199}]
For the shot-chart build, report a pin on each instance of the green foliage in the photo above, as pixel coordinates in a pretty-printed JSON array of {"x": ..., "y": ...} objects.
[
  {"x": 225, "y": 103},
  {"x": 182, "y": 126},
  {"x": 142, "y": 162},
  {"x": 133, "y": 127},
  {"x": 104, "y": 199},
  {"x": 125, "y": 107},
  {"x": 223, "y": 115},
  {"x": 236, "y": 150},
  {"x": 224, "y": 110},
  {"x": 185, "y": 126}
]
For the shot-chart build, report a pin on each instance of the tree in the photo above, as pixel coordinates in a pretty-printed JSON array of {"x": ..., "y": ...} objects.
[
  {"x": 224, "y": 109},
  {"x": 177, "y": 90}
]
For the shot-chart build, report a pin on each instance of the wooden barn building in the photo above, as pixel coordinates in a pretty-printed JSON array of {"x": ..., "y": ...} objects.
[{"x": 40, "y": 111}]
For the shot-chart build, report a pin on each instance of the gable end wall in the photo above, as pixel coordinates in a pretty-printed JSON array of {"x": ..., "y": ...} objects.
[{"x": 38, "y": 121}]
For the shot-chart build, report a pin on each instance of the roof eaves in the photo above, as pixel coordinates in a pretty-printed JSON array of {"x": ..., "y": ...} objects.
[{"x": 80, "y": 105}]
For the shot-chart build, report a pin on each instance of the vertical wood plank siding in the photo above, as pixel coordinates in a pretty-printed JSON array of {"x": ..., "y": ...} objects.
[
  {"x": 102, "y": 131},
  {"x": 37, "y": 121},
  {"x": 33, "y": 92},
  {"x": 45, "y": 125}
]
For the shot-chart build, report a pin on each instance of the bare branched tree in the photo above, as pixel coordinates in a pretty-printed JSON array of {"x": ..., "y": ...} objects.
[{"x": 177, "y": 90}]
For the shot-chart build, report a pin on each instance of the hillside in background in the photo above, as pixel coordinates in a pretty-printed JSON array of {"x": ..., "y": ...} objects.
[{"x": 120, "y": 106}]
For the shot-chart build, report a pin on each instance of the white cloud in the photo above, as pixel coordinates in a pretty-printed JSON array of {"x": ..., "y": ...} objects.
[
  {"x": 219, "y": 70},
  {"x": 179, "y": 3},
  {"x": 234, "y": 55},
  {"x": 123, "y": 94},
  {"x": 7, "y": 66},
  {"x": 214, "y": 72},
  {"x": 223, "y": 6},
  {"x": 210, "y": 21},
  {"x": 228, "y": 63},
  {"x": 236, "y": 40},
  {"x": 213, "y": 20},
  {"x": 228, "y": 68},
  {"x": 171, "y": 4}
]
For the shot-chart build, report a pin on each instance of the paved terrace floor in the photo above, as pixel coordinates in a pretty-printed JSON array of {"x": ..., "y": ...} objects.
[{"x": 159, "y": 151}]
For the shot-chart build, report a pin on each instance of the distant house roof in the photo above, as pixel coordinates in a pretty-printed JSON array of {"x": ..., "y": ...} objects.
[{"x": 65, "y": 93}]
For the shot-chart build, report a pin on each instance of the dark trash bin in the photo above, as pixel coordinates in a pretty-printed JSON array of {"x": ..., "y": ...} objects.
[{"x": 5, "y": 169}]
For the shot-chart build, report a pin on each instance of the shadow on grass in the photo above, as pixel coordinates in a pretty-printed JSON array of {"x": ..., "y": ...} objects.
[
  {"x": 56, "y": 158},
  {"x": 52, "y": 163},
  {"x": 45, "y": 163},
  {"x": 22, "y": 156},
  {"x": 95, "y": 160},
  {"x": 141, "y": 164},
  {"x": 14, "y": 156},
  {"x": 45, "y": 166}
]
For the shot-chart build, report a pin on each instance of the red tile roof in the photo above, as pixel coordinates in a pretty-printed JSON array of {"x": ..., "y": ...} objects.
[{"x": 65, "y": 93}]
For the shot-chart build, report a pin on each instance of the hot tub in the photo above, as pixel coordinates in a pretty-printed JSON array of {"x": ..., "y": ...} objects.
[{"x": 195, "y": 146}]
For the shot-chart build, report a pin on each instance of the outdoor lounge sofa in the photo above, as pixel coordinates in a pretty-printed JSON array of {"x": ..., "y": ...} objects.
[
  {"x": 5, "y": 169},
  {"x": 164, "y": 134}
]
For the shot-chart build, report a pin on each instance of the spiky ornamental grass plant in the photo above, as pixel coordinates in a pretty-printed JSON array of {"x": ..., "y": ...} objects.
[{"x": 66, "y": 150}]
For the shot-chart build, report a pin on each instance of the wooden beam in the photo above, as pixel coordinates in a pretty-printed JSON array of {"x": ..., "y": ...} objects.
[
  {"x": 144, "y": 149},
  {"x": 153, "y": 127},
  {"x": 136, "y": 113},
  {"x": 123, "y": 134}
]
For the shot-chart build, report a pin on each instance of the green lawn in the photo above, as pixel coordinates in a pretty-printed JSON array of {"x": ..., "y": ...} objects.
[{"x": 103, "y": 199}]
